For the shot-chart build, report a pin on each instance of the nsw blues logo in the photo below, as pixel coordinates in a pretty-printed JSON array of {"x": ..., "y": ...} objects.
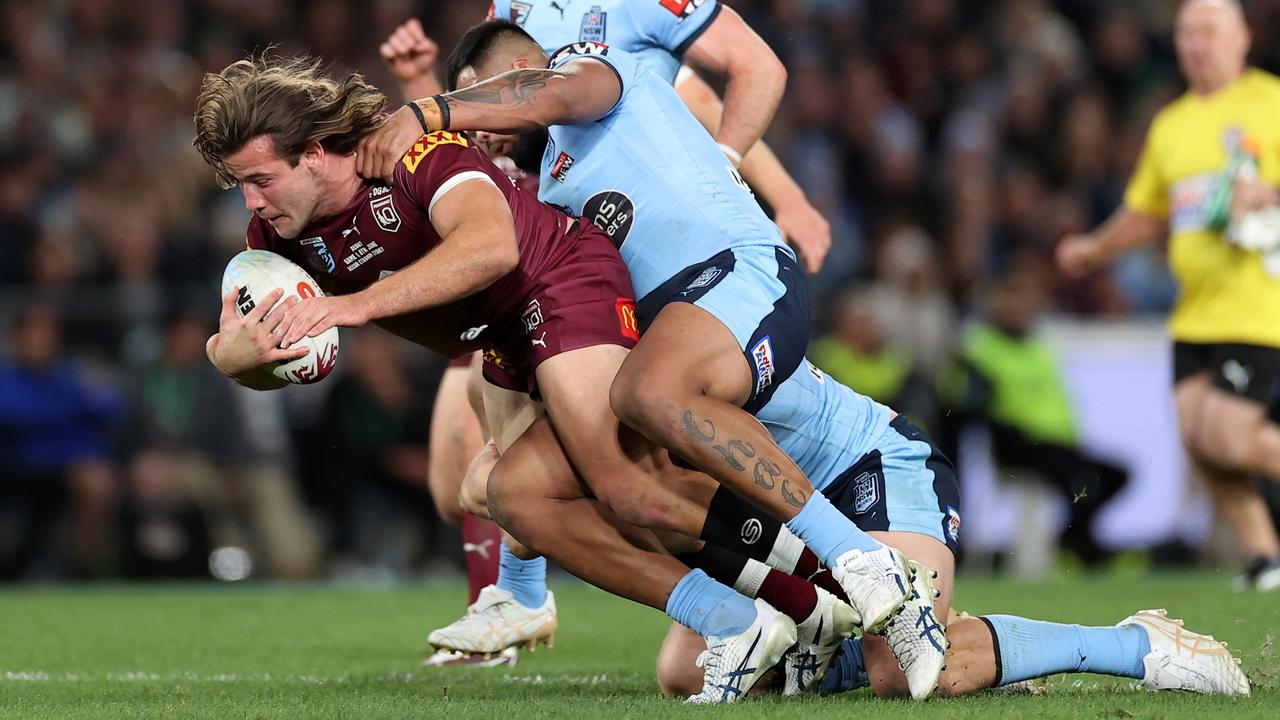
[
  {"x": 593, "y": 25},
  {"x": 866, "y": 492},
  {"x": 319, "y": 259}
]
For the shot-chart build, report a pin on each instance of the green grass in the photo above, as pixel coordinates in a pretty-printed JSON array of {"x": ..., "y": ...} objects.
[{"x": 331, "y": 652}]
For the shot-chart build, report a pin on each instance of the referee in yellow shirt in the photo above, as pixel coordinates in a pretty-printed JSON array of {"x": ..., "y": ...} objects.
[{"x": 1208, "y": 174}]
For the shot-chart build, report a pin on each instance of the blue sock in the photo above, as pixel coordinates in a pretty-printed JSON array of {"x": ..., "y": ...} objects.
[
  {"x": 848, "y": 672},
  {"x": 525, "y": 579},
  {"x": 708, "y": 607},
  {"x": 827, "y": 532},
  {"x": 1029, "y": 649}
]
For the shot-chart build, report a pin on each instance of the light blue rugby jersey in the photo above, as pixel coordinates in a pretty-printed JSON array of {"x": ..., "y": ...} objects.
[
  {"x": 823, "y": 425},
  {"x": 650, "y": 176},
  {"x": 657, "y": 32}
]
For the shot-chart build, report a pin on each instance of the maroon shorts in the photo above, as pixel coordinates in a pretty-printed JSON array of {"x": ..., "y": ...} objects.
[{"x": 585, "y": 300}]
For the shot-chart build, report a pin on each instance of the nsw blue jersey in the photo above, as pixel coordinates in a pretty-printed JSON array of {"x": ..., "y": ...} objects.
[
  {"x": 656, "y": 32},
  {"x": 823, "y": 425},
  {"x": 650, "y": 176}
]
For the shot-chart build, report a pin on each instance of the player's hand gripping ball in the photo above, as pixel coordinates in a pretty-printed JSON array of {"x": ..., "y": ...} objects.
[{"x": 256, "y": 273}]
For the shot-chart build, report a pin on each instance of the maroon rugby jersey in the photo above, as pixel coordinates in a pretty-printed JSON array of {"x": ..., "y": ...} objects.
[{"x": 384, "y": 229}]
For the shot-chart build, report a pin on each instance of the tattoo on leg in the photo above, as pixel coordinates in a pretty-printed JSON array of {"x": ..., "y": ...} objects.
[
  {"x": 694, "y": 429},
  {"x": 796, "y": 499},
  {"x": 766, "y": 474},
  {"x": 730, "y": 458}
]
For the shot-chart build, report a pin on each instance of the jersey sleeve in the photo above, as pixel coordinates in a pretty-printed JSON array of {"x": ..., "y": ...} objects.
[
  {"x": 439, "y": 162},
  {"x": 1148, "y": 192},
  {"x": 672, "y": 24},
  {"x": 621, "y": 63}
]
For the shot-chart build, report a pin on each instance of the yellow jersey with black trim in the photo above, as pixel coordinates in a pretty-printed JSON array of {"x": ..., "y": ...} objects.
[{"x": 1225, "y": 294}]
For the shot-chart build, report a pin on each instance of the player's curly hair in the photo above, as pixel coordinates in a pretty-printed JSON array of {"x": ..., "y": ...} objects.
[{"x": 290, "y": 99}]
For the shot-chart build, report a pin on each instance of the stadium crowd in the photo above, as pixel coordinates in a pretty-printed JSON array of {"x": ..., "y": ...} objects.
[{"x": 950, "y": 143}]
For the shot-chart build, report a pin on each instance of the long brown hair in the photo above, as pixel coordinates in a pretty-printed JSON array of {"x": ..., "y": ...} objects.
[{"x": 291, "y": 100}]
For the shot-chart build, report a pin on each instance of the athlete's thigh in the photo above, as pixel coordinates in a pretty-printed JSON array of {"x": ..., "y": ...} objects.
[
  {"x": 509, "y": 414},
  {"x": 687, "y": 349},
  {"x": 678, "y": 671},
  {"x": 575, "y": 389},
  {"x": 733, "y": 327},
  {"x": 882, "y": 668},
  {"x": 456, "y": 438}
]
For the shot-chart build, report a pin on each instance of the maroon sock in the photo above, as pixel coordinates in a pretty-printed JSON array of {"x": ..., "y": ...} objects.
[
  {"x": 809, "y": 568},
  {"x": 792, "y": 596},
  {"x": 480, "y": 541}
]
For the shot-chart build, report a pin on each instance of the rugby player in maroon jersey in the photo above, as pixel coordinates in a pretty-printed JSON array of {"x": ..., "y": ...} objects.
[{"x": 456, "y": 258}]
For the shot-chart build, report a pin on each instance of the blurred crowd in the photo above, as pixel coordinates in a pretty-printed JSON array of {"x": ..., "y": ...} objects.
[{"x": 950, "y": 143}]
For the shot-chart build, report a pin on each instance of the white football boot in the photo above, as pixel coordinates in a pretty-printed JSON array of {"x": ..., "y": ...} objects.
[
  {"x": 457, "y": 658},
  {"x": 877, "y": 584},
  {"x": 495, "y": 622},
  {"x": 1185, "y": 660},
  {"x": 915, "y": 636},
  {"x": 731, "y": 665},
  {"x": 818, "y": 638}
]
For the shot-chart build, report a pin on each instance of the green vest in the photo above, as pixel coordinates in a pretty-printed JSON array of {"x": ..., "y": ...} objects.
[
  {"x": 1026, "y": 384},
  {"x": 880, "y": 376}
]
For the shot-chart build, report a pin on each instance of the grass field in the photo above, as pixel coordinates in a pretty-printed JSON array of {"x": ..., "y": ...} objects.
[{"x": 330, "y": 652}]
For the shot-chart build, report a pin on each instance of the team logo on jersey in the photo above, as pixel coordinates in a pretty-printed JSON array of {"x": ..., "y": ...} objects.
[
  {"x": 520, "y": 12},
  {"x": 953, "y": 524},
  {"x": 681, "y": 8},
  {"x": 532, "y": 316},
  {"x": 427, "y": 143},
  {"x": 762, "y": 355},
  {"x": 611, "y": 211},
  {"x": 626, "y": 309},
  {"x": 560, "y": 169},
  {"x": 384, "y": 212},
  {"x": 866, "y": 492},
  {"x": 320, "y": 260},
  {"x": 578, "y": 48},
  {"x": 593, "y": 24}
]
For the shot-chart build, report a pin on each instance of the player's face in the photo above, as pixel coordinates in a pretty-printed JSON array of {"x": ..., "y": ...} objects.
[
  {"x": 285, "y": 195},
  {"x": 1212, "y": 42}
]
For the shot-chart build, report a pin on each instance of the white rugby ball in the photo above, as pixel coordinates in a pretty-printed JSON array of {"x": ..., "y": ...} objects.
[{"x": 256, "y": 273}]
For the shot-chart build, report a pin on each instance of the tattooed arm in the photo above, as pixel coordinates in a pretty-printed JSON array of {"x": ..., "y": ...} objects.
[{"x": 515, "y": 102}]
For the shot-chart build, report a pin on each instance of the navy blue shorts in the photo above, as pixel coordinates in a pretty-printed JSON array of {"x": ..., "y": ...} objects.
[{"x": 761, "y": 295}]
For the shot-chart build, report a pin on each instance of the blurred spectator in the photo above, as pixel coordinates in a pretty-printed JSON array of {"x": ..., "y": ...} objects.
[
  {"x": 163, "y": 532},
  {"x": 53, "y": 455},
  {"x": 858, "y": 354},
  {"x": 1008, "y": 379}
]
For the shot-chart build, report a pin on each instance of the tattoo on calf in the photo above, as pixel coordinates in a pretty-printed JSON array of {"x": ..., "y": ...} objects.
[
  {"x": 796, "y": 499},
  {"x": 765, "y": 473}
]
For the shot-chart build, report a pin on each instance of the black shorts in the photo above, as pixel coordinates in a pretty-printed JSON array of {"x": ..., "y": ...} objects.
[{"x": 1249, "y": 371}]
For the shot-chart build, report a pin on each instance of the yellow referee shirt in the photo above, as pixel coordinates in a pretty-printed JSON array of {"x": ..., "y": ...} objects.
[{"x": 1226, "y": 297}]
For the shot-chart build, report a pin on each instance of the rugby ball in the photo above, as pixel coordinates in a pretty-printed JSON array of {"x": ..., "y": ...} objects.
[{"x": 256, "y": 273}]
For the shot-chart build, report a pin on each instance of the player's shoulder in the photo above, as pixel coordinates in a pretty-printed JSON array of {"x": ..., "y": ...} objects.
[{"x": 432, "y": 158}]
